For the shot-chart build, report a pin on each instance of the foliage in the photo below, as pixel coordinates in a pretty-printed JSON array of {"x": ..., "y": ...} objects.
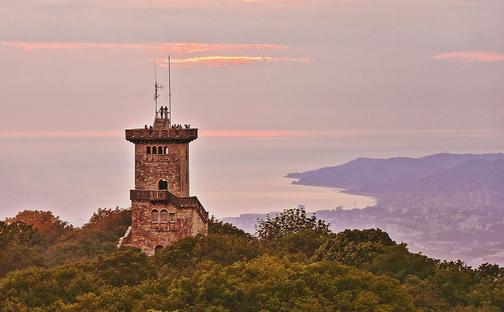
[
  {"x": 45, "y": 222},
  {"x": 218, "y": 227},
  {"x": 124, "y": 267},
  {"x": 289, "y": 221},
  {"x": 20, "y": 246},
  {"x": 295, "y": 265},
  {"x": 37, "y": 238},
  {"x": 355, "y": 247},
  {"x": 219, "y": 248}
]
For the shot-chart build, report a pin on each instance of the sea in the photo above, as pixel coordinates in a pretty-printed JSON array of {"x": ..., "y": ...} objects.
[{"x": 230, "y": 175}]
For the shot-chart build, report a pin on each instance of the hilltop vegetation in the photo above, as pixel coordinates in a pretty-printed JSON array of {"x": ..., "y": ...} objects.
[{"x": 295, "y": 264}]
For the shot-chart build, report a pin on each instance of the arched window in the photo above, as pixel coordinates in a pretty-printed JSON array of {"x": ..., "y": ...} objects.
[
  {"x": 164, "y": 215},
  {"x": 166, "y": 150},
  {"x": 160, "y": 150},
  {"x": 163, "y": 185},
  {"x": 154, "y": 216},
  {"x": 148, "y": 150},
  {"x": 154, "y": 150}
]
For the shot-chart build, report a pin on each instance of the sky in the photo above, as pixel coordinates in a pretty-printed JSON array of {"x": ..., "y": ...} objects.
[{"x": 274, "y": 86}]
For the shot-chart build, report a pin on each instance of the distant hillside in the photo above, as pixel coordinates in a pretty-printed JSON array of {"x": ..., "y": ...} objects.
[
  {"x": 370, "y": 175},
  {"x": 445, "y": 205}
]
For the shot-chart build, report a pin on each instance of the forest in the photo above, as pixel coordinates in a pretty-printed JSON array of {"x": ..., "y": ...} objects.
[{"x": 293, "y": 263}]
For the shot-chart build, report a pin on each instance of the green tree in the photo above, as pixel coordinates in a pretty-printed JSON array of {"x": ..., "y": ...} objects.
[
  {"x": 355, "y": 247},
  {"x": 289, "y": 221},
  {"x": 21, "y": 246},
  {"x": 219, "y": 227},
  {"x": 127, "y": 266},
  {"x": 97, "y": 237}
]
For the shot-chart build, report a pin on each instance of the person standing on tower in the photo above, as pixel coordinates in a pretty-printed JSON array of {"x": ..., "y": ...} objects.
[
  {"x": 166, "y": 112},
  {"x": 161, "y": 110}
]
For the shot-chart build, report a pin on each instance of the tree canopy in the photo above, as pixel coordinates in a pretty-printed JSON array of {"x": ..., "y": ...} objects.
[{"x": 295, "y": 264}]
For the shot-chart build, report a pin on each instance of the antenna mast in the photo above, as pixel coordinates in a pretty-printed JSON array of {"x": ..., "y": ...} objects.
[
  {"x": 157, "y": 87},
  {"x": 169, "y": 92}
]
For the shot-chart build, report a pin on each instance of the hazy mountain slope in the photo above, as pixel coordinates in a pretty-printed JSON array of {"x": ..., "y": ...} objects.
[
  {"x": 445, "y": 205},
  {"x": 366, "y": 174}
]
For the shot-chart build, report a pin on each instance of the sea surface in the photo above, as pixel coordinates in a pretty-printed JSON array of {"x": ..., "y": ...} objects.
[{"x": 230, "y": 176}]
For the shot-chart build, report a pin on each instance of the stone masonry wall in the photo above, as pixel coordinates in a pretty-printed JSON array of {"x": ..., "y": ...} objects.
[
  {"x": 147, "y": 235},
  {"x": 198, "y": 225},
  {"x": 172, "y": 167}
]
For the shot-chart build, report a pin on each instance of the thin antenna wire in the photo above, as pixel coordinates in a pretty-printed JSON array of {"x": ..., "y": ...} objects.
[
  {"x": 156, "y": 95},
  {"x": 169, "y": 91}
]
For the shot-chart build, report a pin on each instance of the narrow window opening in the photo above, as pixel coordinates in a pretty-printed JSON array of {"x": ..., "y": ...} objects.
[
  {"x": 154, "y": 216},
  {"x": 160, "y": 150},
  {"x": 164, "y": 215},
  {"x": 166, "y": 150},
  {"x": 154, "y": 150},
  {"x": 148, "y": 150},
  {"x": 171, "y": 217}
]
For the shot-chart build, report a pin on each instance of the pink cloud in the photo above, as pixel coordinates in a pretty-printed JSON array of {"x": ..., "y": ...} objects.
[
  {"x": 176, "y": 47},
  {"x": 258, "y": 133},
  {"x": 219, "y": 60},
  {"x": 120, "y": 134},
  {"x": 60, "y": 134},
  {"x": 471, "y": 56},
  {"x": 334, "y": 134}
]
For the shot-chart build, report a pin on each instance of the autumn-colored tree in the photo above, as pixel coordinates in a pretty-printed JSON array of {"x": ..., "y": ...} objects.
[{"x": 50, "y": 226}]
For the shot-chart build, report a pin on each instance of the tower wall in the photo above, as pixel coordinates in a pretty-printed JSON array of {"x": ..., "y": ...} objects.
[
  {"x": 147, "y": 235},
  {"x": 172, "y": 167},
  {"x": 160, "y": 216}
]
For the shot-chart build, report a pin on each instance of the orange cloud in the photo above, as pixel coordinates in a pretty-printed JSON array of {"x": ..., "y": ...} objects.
[
  {"x": 216, "y": 61},
  {"x": 176, "y": 47},
  {"x": 471, "y": 56}
]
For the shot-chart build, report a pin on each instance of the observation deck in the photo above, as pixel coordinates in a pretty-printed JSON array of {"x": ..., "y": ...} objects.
[{"x": 171, "y": 135}]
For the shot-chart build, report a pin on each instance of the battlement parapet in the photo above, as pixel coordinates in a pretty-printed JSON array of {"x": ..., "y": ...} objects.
[{"x": 162, "y": 135}]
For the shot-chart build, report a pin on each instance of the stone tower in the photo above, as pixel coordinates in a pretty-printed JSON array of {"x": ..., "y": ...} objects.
[{"x": 162, "y": 211}]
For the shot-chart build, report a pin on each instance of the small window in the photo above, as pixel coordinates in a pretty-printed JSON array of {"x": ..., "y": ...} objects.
[
  {"x": 154, "y": 216},
  {"x": 164, "y": 215},
  {"x": 166, "y": 150},
  {"x": 160, "y": 150},
  {"x": 171, "y": 217},
  {"x": 154, "y": 150},
  {"x": 148, "y": 150},
  {"x": 163, "y": 185}
]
